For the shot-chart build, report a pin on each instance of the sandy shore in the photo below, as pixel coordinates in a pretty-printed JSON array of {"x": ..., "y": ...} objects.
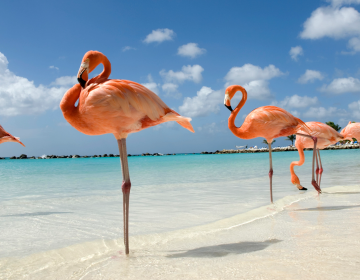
[{"x": 313, "y": 238}]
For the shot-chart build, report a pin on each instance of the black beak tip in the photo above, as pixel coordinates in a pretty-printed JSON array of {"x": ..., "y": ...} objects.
[
  {"x": 229, "y": 107},
  {"x": 81, "y": 82}
]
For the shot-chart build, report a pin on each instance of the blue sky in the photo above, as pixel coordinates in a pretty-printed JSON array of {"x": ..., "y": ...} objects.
[{"x": 300, "y": 55}]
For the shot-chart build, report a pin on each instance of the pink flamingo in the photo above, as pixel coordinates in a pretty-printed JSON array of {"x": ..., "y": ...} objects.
[
  {"x": 114, "y": 106},
  {"x": 7, "y": 137},
  {"x": 326, "y": 136},
  {"x": 269, "y": 122},
  {"x": 352, "y": 130}
]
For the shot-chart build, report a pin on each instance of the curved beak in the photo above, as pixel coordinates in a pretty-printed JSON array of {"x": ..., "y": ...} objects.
[
  {"x": 81, "y": 81},
  {"x": 227, "y": 102}
]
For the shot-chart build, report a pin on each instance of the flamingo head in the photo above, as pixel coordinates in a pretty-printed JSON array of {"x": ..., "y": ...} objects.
[
  {"x": 229, "y": 94},
  {"x": 295, "y": 180},
  {"x": 89, "y": 62}
]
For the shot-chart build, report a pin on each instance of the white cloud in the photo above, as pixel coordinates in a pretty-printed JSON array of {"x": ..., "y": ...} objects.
[
  {"x": 355, "y": 108},
  {"x": 205, "y": 102},
  {"x": 296, "y": 101},
  {"x": 342, "y": 85},
  {"x": 321, "y": 112},
  {"x": 253, "y": 78},
  {"x": 332, "y": 22},
  {"x": 159, "y": 36},
  {"x": 65, "y": 81},
  {"x": 338, "y": 3},
  {"x": 128, "y": 48},
  {"x": 53, "y": 67},
  {"x": 151, "y": 85},
  {"x": 171, "y": 90},
  {"x": 20, "y": 96},
  {"x": 295, "y": 52},
  {"x": 310, "y": 76},
  {"x": 354, "y": 44},
  {"x": 191, "y": 73},
  {"x": 191, "y": 50}
]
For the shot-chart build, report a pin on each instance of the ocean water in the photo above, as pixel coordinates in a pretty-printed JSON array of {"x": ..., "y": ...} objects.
[{"x": 73, "y": 207}]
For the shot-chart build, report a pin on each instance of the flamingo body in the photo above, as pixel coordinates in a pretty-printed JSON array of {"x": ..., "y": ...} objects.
[
  {"x": 7, "y": 137},
  {"x": 352, "y": 130},
  {"x": 114, "y": 106},
  {"x": 326, "y": 136},
  {"x": 268, "y": 121}
]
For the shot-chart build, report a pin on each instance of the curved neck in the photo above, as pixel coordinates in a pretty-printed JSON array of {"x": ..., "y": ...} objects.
[
  {"x": 301, "y": 160},
  {"x": 107, "y": 68},
  {"x": 67, "y": 104},
  {"x": 231, "y": 122}
]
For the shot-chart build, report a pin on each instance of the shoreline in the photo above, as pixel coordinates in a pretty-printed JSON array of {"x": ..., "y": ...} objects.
[
  {"x": 217, "y": 152},
  {"x": 313, "y": 237}
]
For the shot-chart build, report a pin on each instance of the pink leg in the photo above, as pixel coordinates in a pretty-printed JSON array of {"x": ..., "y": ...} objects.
[
  {"x": 126, "y": 185},
  {"x": 321, "y": 169},
  {"x": 317, "y": 167},
  {"x": 313, "y": 182},
  {"x": 271, "y": 172}
]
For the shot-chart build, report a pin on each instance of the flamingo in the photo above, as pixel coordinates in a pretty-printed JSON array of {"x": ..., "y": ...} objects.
[
  {"x": 114, "y": 106},
  {"x": 269, "y": 122},
  {"x": 7, "y": 137},
  {"x": 352, "y": 130},
  {"x": 326, "y": 136}
]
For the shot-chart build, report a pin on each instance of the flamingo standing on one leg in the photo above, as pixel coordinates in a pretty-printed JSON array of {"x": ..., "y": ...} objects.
[
  {"x": 326, "y": 136},
  {"x": 119, "y": 107},
  {"x": 269, "y": 122},
  {"x": 352, "y": 130},
  {"x": 7, "y": 137}
]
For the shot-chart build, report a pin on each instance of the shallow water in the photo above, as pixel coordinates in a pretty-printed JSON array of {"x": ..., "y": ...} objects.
[{"x": 57, "y": 203}]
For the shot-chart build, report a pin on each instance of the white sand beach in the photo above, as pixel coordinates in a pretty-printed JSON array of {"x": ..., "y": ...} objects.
[{"x": 299, "y": 237}]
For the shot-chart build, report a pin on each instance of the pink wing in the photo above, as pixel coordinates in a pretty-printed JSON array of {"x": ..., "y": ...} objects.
[
  {"x": 277, "y": 117},
  {"x": 120, "y": 94}
]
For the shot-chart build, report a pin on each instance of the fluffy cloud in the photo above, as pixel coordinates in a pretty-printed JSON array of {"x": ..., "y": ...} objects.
[
  {"x": 295, "y": 52},
  {"x": 253, "y": 78},
  {"x": 338, "y": 3},
  {"x": 321, "y": 112},
  {"x": 159, "y": 36},
  {"x": 20, "y": 96},
  {"x": 355, "y": 108},
  {"x": 342, "y": 85},
  {"x": 310, "y": 76},
  {"x": 205, "y": 102},
  {"x": 354, "y": 44},
  {"x": 191, "y": 50},
  {"x": 332, "y": 22},
  {"x": 296, "y": 101},
  {"x": 53, "y": 67},
  {"x": 128, "y": 48},
  {"x": 171, "y": 90},
  {"x": 191, "y": 73}
]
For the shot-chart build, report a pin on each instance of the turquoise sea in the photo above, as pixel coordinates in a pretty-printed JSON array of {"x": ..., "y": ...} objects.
[{"x": 53, "y": 203}]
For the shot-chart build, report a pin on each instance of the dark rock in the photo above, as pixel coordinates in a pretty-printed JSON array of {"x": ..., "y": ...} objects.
[
  {"x": 13, "y": 158},
  {"x": 105, "y": 155},
  {"x": 23, "y": 156},
  {"x": 129, "y": 155},
  {"x": 111, "y": 155},
  {"x": 75, "y": 156}
]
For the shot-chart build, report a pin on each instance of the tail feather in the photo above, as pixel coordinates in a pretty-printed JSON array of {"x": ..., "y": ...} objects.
[
  {"x": 183, "y": 121},
  {"x": 304, "y": 127}
]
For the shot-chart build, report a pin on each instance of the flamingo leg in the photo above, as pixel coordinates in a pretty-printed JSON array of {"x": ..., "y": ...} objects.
[
  {"x": 321, "y": 168},
  {"x": 317, "y": 167},
  {"x": 125, "y": 187},
  {"x": 271, "y": 172},
  {"x": 313, "y": 182}
]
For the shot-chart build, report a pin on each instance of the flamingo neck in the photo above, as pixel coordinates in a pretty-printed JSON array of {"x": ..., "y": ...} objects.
[
  {"x": 67, "y": 104},
  {"x": 231, "y": 122},
  {"x": 301, "y": 160},
  {"x": 104, "y": 75}
]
